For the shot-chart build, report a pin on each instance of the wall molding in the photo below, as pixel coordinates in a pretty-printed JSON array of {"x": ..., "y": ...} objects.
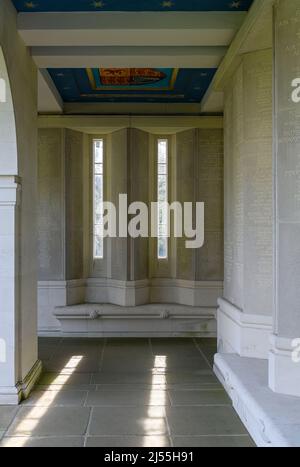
[
  {"x": 123, "y": 293},
  {"x": 14, "y": 395},
  {"x": 284, "y": 373},
  {"x": 57, "y": 293},
  {"x": 104, "y": 320},
  {"x": 200, "y": 297},
  {"x": 10, "y": 189},
  {"x": 105, "y": 124},
  {"x": 271, "y": 419},
  {"x": 244, "y": 334}
]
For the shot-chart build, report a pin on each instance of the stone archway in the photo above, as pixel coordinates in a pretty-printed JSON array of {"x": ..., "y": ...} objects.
[{"x": 19, "y": 367}]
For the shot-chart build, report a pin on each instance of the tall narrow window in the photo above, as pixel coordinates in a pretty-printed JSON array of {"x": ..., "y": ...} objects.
[
  {"x": 162, "y": 184},
  {"x": 98, "y": 149}
]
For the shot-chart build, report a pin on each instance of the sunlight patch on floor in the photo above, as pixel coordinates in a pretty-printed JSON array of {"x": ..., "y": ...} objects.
[{"x": 29, "y": 424}]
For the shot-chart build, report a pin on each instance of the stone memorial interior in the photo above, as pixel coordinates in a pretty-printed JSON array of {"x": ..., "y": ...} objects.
[{"x": 140, "y": 341}]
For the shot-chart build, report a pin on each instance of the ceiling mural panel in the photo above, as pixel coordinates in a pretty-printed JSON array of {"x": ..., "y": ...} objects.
[
  {"x": 132, "y": 85},
  {"x": 159, "y": 85},
  {"x": 131, "y": 5}
]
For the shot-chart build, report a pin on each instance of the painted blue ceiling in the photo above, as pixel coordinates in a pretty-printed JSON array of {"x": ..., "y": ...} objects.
[
  {"x": 131, "y": 5},
  {"x": 159, "y": 85}
]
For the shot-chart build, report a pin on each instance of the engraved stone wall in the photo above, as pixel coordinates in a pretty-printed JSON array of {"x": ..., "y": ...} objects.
[
  {"x": 248, "y": 186},
  {"x": 258, "y": 183},
  {"x": 287, "y": 68},
  {"x": 74, "y": 204},
  {"x": 234, "y": 209},
  {"x": 51, "y": 205},
  {"x": 210, "y": 190}
]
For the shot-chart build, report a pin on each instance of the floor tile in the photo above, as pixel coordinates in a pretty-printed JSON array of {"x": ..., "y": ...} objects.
[
  {"x": 55, "y": 341},
  {"x": 6, "y": 416},
  {"x": 202, "y": 384},
  {"x": 60, "y": 388},
  {"x": 125, "y": 393},
  {"x": 129, "y": 441},
  {"x": 65, "y": 379},
  {"x": 200, "y": 397},
  {"x": 123, "y": 364},
  {"x": 196, "y": 377},
  {"x": 57, "y": 421},
  {"x": 56, "y": 399},
  {"x": 209, "y": 355},
  {"x": 25, "y": 442},
  {"x": 198, "y": 421},
  {"x": 46, "y": 352},
  {"x": 129, "y": 342},
  {"x": 133, "y": 421},
  {"x": 207, "y": 342},
  {"x": 128, "y": 378},
  {"x": 131, "y": 387},
  {"x": 86, "y": 365},
  {"x": 174, "y": 347},
  {"x": 180, "y": 363},
  {"x": 84, "y": 342},
  {"x": 133, "y": 398},
  {"x": 214, "y": 442}
]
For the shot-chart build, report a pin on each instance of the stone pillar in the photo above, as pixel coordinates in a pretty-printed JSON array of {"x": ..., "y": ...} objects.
[
  {"x": 245, "y": 311},
  {"x": 19, "y": 367},
  {"x": 284, "y": 373},
  {"x": 9, "y": 225},
  {"x": 60, "y": 223}
]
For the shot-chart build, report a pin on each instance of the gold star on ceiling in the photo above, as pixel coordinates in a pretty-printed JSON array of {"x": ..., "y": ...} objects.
[
  {"x": 167, "y": 4},
  {"x": 235, "y": 4},
  {"x": 31, "y": 5},
  {"x": 98, "y": 4}
]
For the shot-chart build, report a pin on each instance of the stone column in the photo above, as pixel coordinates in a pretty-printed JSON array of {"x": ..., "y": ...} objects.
[
  {"x": 284, "y": 373},
  {"x": 9, "y": 357},
  {"x": 19, "y": 368},
  {"x": 245, "y": 311}
]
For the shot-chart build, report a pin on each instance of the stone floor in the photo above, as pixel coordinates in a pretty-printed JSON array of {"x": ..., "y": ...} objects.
[{"x": 125, "y": 393}]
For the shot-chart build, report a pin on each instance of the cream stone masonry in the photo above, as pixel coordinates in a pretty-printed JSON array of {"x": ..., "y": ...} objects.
[
  {"x": 248, "y": 284},
  {"x": 130, "y": 273},
  {"x": 284, "y": 374},
  {"x": 18, "y": 193}
]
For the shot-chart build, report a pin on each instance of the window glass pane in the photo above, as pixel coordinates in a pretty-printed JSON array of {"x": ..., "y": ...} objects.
[
  {"x": 98, "y": 199},
  {"x": 162, "y": 195},
  {"x": 162, "y": 248},
  {"x": 99, "y": 169},
  {"x": 98, "y": 150},
  {"x": 162, "y": 169},
  {"x": 162, "y": 152},
  {"x": 162, "y": 213},
  {"x": 98, "y": 241},
  {"x": 162, "y": 188}
]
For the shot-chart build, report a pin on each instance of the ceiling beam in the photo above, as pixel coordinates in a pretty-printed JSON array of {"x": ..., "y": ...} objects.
[
  {"x": 49, "y": 99},
  {"x": 129, "y": 29},
  {"x": 108, "y": 124},
  {"x": 138, "y": 108},
  {"x": 258, "y": 23},
  {"x": 131, "y": 57},
  {"x": 256, "y": 33}
]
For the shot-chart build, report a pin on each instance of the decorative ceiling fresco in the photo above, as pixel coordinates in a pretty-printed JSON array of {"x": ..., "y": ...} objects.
[
  {"x": 159, "y": 85},
  {"x": 136, "y": 85},
  {"x": 131, "y": 5}
]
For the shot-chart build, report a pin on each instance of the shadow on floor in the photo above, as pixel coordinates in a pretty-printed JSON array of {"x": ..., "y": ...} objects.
[{"x": 125, "y": 393}]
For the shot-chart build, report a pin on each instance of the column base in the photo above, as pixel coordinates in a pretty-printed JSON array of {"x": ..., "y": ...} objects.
[
  {"x": 241, "y": 333},
  {"x": 15, "y": 394},
  {"x": 284, "y": 373},
  {"x": 271, "y": 419}
]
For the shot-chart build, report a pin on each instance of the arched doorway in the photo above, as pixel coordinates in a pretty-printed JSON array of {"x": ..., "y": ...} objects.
[{"x": 19, "y": 367}]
